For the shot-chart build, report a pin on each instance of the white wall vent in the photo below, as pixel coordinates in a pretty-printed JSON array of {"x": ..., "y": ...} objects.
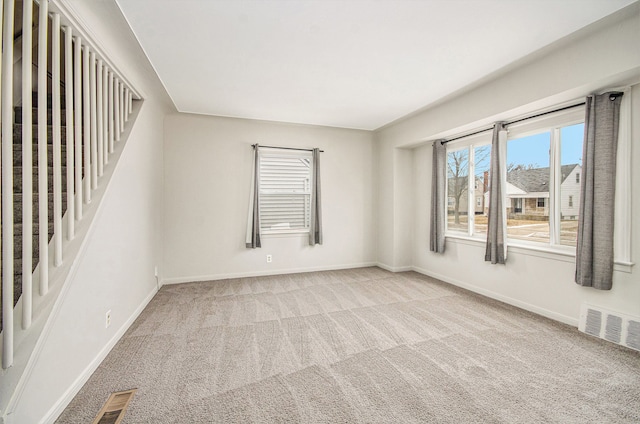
[{"x": 608, "y": 325}]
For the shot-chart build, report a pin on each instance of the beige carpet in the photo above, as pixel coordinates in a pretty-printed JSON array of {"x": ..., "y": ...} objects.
[{"x": 361, "y": 345}]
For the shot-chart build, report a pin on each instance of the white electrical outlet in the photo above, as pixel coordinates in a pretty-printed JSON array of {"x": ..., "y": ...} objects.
[
  {"x": 269, "y": 259},
  {"x": 155, "y": 271},
  {"x": 107, "y": 321}
]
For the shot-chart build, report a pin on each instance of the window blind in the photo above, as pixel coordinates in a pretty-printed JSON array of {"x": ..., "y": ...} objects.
[{"x": 285, "y": 191}]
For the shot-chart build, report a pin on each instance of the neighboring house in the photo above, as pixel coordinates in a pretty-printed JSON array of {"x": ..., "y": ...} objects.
[
  {"x": 528, "y": 192},
  {"x": 480, "y": 200}
]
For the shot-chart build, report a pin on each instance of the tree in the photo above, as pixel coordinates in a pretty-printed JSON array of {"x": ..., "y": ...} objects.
[
  {"x": 521, "y": 167},
  {"x": 458, "y": 174}
]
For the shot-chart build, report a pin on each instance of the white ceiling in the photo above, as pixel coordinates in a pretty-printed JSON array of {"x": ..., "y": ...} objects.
[{"x": 350, "y": 63}]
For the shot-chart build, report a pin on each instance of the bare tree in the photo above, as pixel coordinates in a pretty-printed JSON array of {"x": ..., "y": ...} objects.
[
  {"x": 520, "y": 167},
  {"x": 458, "y": 174}
]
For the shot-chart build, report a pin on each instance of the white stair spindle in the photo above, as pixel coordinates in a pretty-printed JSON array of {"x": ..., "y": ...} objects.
[
  {"x": 57, "y": 153},
  {"x": 127, "y": 111},
  {"x": 105, "y": 114},
  {"x": 111, "y": 113},
  {"x": 7, "y": 180},
  {"x": 99, "y": 118},
  {"x": 27, "y": 164},
  {"x": 116, "y": 112},
  {"x": 86, "y": 142},
  {"x": 43, "y": 186},
  {"x": 69, "y": 99},
  {"x": 77, "y": 104},
  {"x": 94, "y": 125},
  {"x": 121, "y": 107}
]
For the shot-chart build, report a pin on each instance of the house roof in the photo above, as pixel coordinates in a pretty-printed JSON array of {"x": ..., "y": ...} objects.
[{"x": 536, "y": 179}]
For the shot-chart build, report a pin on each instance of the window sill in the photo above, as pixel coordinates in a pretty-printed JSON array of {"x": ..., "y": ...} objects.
[
  {"x": 285, "y": 233},
  {"x": 566, "y": 254}
]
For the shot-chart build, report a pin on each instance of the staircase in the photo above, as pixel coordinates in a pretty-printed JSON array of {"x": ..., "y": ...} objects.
[
  {"x": 89, "y": 104},
  {"x": 17, "y": 187}
]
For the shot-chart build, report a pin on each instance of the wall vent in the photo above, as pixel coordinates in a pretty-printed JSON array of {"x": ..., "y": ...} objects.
[{"x": 612, "y": 326}]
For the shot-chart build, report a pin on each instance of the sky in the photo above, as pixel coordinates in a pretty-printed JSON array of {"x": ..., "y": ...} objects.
[
  {"x": 534, "y": 150},
  {"x": 522, "y": 150}
]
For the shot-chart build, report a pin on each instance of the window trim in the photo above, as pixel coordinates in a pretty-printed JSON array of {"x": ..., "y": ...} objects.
[
  {"x": 268, "y": 151},
  {"x": 622, "y": 237},
  {"x": 468, "y": 144}
]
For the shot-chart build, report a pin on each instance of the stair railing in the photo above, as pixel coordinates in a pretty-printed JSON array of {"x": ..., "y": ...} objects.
[{"x": 97, "y": 102}]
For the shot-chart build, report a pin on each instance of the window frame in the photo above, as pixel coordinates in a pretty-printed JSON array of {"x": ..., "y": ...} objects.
[
  {"x": 470, "y": 144},
  {"x": 275, "y": 152},
  {"x": 552, "y": 124},
  {"x": 622, "y": 237}
]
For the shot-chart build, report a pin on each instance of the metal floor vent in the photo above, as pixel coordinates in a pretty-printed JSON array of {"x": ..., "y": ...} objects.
[
  {"x": 114, "y": 408},
  {"x": 612, "y": 326}
]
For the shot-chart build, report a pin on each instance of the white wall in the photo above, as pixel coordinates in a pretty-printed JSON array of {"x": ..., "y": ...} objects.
[
  {"x": 602, "y": 56},
  {"x": 207, "y": 183},
  {"x": 115, "y": 269}
]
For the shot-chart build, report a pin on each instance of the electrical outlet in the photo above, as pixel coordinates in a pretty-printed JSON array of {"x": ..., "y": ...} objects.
[
  {"x": 155, "y": 271},
  {"x": 269, "y": 259},
  {"x": 107, "y": 321}
]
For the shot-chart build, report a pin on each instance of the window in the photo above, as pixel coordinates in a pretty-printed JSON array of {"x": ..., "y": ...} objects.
[
  {"x": 543, "y": 158},
  {"x": 458, "y": 188},
  {"x": 285, "y": 191},
  {"x": 466, "y": 209},
  {"x": 553, "y": 142},
  {"x": 542, "y": 202}
]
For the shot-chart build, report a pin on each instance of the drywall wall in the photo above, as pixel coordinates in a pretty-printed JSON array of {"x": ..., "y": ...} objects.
[
  {"x": 207, "y": 184},
  {"x": 602, "y": 56},
  {"x": 115, "y": 270},
  {"x": 115, "y": 273}
]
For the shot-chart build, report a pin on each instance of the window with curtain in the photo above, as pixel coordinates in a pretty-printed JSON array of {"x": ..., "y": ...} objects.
[
  {"x": 542, "y": 181},
  {"x": 543, "y": 207},
  {"x": 285, "y": 183}
]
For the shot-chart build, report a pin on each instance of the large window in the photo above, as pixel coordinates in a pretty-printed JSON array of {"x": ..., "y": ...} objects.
[
  {"x": 542, "y": 187},
  {"x": 285, "y": 190}
]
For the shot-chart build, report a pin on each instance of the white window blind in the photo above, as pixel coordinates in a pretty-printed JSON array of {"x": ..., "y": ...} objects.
[{"x": 285, "y": 191}]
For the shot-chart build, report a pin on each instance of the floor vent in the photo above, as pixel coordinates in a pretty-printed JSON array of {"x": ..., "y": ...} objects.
[
  {"x": 612, "y": 326},
  {"x": 114, "y": 408}
]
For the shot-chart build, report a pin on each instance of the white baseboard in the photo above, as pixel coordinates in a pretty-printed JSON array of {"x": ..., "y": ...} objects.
[
  {"x": 493, "y": 295},
  {"x": 73, "y": 390},
  {"x": 213, "y": 277},
  {"x": 394, "y": 268}
]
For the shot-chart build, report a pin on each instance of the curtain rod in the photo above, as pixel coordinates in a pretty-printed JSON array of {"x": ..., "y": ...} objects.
[
  {"x": 612, "y": 97},
  {"x": 285, "y": 148}
]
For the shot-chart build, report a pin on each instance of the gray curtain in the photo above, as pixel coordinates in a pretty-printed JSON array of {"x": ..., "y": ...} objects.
[
  {"x": 253, "y": 221},
  {"x": 315, "y": 226},
  {"x": 496, "y": 248},
  {"x": 438, "y": 196},
  {"x": 594, "y": 250}
]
